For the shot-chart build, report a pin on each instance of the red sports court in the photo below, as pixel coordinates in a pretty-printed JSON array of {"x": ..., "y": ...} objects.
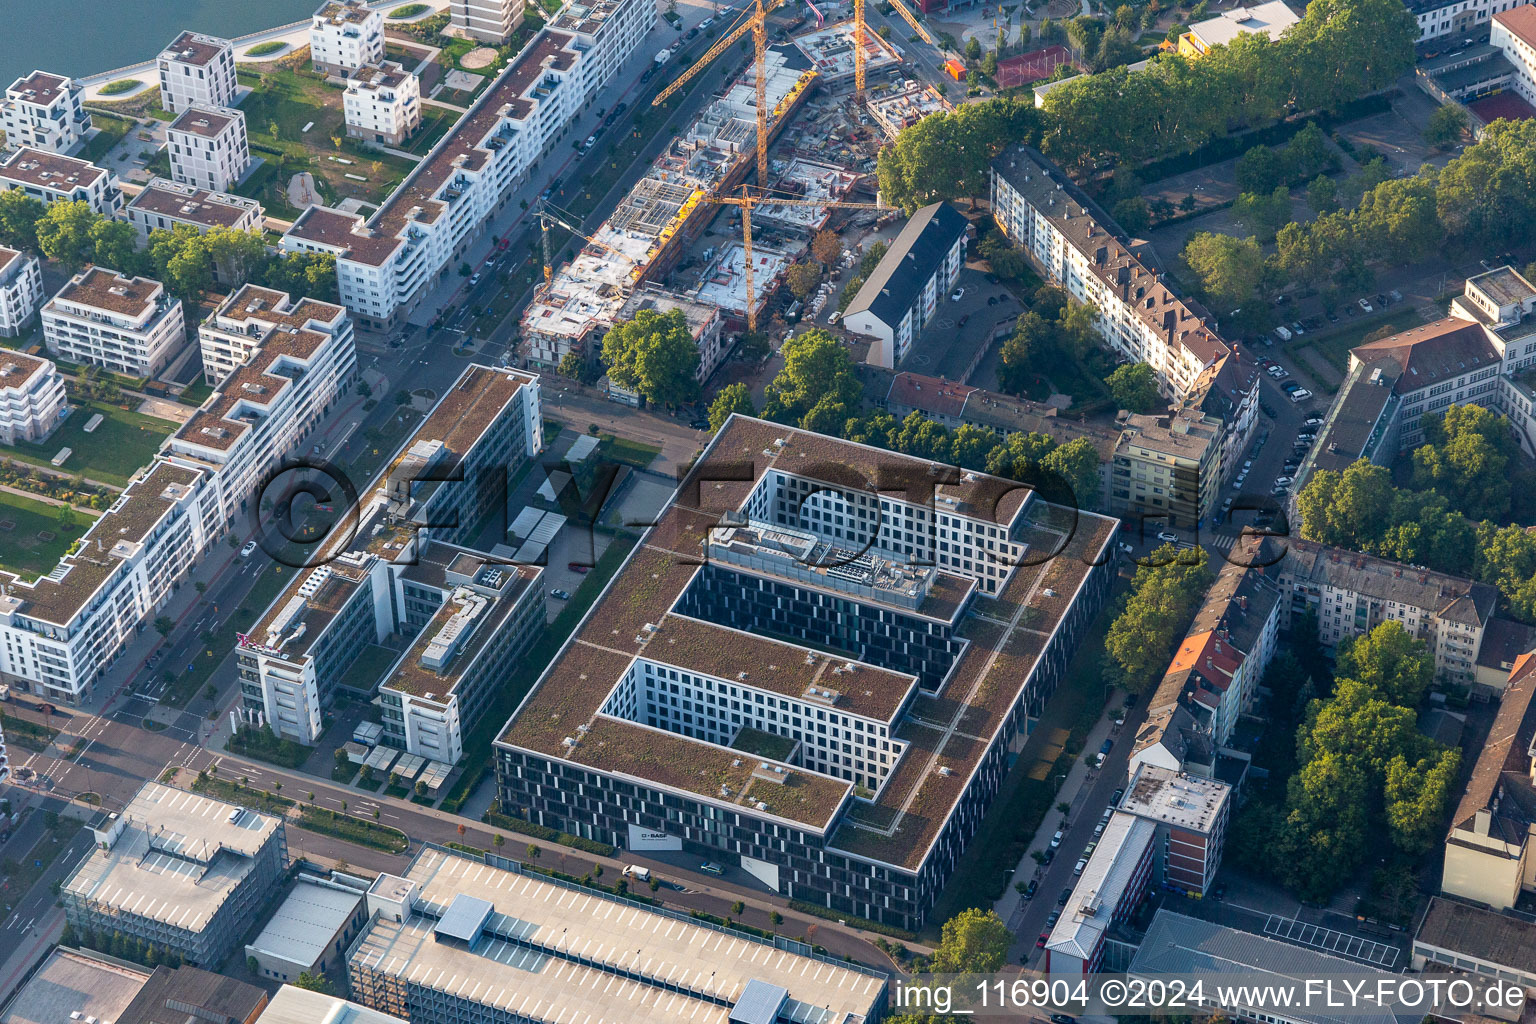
[{"x": 1031, "y": 67}]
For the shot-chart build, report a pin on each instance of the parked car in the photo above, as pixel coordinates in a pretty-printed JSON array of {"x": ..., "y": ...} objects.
[
  {"x": 1052, "y": 918},
  {"x": 1056, "y": 839},
  {"x": 1171, "y": 538},
  {"x": 963, "y": 320},
  {"x": 1301, "y": 396},
  {"x": 1296, "y": 328},
  {"x": 577, "y": 567},
  {"x": 710, "y": 867},
  {"x": 1077, "y": 869},
  {"x": 957, "y": 295},
  {"x": 1365, "y": 305},
  {"x": 559, "y": 594},
  {"x": 1282, "y": 333},
  {"x": 1040, "y": 942},
  {"x": 1030, "y": 889},
  {"x": 248, "y": 550},
  {"x": 1283, "y": 480},
  {"x": 1066, "y": 894},
  {"x": 1115, "y": 797}
]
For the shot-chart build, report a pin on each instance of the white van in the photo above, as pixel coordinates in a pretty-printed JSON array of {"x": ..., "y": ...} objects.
[
  {"x": 637, "y": 872},
  {"x": 1282, "y": 333}
]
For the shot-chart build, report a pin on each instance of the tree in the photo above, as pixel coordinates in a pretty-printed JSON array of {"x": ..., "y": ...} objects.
[
  {"x": 1134, "y": 387},
  {"x": 972, "y": 50},
  {"x": 572, "y": 365},
  {"x": 1466, "y": 457},
  {"x": 237, "y": 256},
  {"x": 314, "y": 982},
  {"x": 1033, "y": 338},
  {"x": 1228, "y": 269},
  {"x": 1133, "y": 214},
  {"x": 340, "y": 757},
  {"x": 1076, "y": 463},
  {"x": 179, "y": 259},
  {"x": 114, "y": 244},
  {"x": 826, "y": 247},
  {"x": 498, "y": 840},
  {"x": 654, "y": 354},
  {"x": 19, "y": 214},
  {"x": 733, "y": 398},
  {"x": 1264, "y": 214},
  {"x": 1446, "y": 126},
  {"x": 803, "y": 278},
  {"x": 64, "y": 233},
  {"x": 1259, "y": 170},
  {"x": 1154, "y": 616},
  {"x": 164, "y": 624},
  {"x": 972, "y": 942},
  {"x": 949, "y": 154},
  {"x": 1390, "y": 659},
  {"x": 817, "y": 387},
  {"x": 1323, "y": 194}
]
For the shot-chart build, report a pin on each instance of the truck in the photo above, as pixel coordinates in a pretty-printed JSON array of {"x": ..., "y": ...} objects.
[
  {"x": 663, "y": 57},
  {"x": 954, "y": 69}
]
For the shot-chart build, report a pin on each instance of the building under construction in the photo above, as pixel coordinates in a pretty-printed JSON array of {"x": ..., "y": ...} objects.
[
  {"x": 830, "y": 51},
  {"x": 905, "y": 106},
  {"x": 811, "y": 180},
  {"x": 664, "y": 212}
]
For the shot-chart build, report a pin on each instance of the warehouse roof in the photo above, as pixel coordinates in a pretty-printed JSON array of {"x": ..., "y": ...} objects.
[{"x": 306, "y": 922}]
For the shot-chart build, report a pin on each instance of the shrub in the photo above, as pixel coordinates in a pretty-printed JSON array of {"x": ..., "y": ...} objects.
[{"x": 122, "y": 85}]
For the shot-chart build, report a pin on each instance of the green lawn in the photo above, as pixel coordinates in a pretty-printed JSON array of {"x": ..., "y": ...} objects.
[
  {"x": 111, "y": 130},
  {"x": 262, "y": 49},
  {"x": 435, "y": 122},
  {"x": 122, "y": 444},
  {"x": 32, "y": 536},
  {"x": 282, "y": 102},
  {"x": 629, "y": 452},
  {"x": 267, "y": 188}
]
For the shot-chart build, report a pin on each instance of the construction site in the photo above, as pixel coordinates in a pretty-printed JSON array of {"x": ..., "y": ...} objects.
[{"x": 690, "y": 228}]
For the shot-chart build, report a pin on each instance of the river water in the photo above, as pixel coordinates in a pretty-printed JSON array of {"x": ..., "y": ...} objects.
[{"x": 86, "y": 37}]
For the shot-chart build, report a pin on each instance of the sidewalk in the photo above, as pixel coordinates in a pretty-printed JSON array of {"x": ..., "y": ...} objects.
[{"x": 1082, "y": 774}]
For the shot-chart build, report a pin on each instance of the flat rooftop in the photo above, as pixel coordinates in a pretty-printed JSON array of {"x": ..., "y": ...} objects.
[
  {"x": 305, "y": 923},
  {"x": 294, "y": 1005},
  {"x": 194, "y": 48},
  {"x": 205, "y": 122},
  {"x": 179, "y": 857},
  {"x": 959, "y": 722},
  {"x": 16, "y": 368},
  {"x": 41, "y": 169},
  {"x": 74, "y": 984},
  {"x": 39, "y": 87},
  {"x": 110, "y": 292},
  {"x": 1187, "y": 801},
  {"x": 500, "y": 586},
  {"x": 193, "y": 205},
  {"x": 894, "y": 111},
  {"x": 1479, "y": 933},
  {"x": 810, "y": 180},
  {"x": 546, "y": 951},
  {"x": 112, "y": 539},
  {"x": 724, "y": 282}
]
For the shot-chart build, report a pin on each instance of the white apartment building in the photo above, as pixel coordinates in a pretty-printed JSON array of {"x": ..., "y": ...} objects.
[
  {"x": 21, "y": 289},
  {"x": 59, "y": 633},
  {"x": 1455, "y": 17},
  {"x": 32, "y": 401},
  {"x": 1514, "y": 32},
  {"x": 344, "y": 35},
  {"x": 52, "y": 178},
  {"x": 247, "y": 319},
  {"x": 382, "y": 103},
  {"x": 1046, "y": 215},
  {"x": 163, "y": 205},
  {"x": 398, "y": 573},
  {"x": 490, "y": 21},
  {"x": 303, "y": 358},
  {"x": 910, "y": 284},
  {"x": 1352, "y": 594},
  {"x": 196, "y": 71},
  {"x": 125, "y": 324},
  {"x": 387, "y": 262},
  {"x": 208, "y": 147},
  {"x": 44, "y": 111}
]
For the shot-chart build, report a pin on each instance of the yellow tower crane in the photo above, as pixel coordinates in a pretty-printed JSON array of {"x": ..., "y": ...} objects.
[
  {"x": 755, "y": 22},
  {"x": 747, "y": 201},
  {"x": 911, "y": 19}
]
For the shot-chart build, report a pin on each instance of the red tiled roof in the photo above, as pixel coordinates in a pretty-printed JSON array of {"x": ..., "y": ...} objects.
[{"x": 1521, "y": 23}]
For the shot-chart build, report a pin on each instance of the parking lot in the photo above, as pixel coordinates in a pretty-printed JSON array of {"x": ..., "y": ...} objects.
[
  {"x": 954, "y": 343},
  {"x": 1354, "y": 947}
]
